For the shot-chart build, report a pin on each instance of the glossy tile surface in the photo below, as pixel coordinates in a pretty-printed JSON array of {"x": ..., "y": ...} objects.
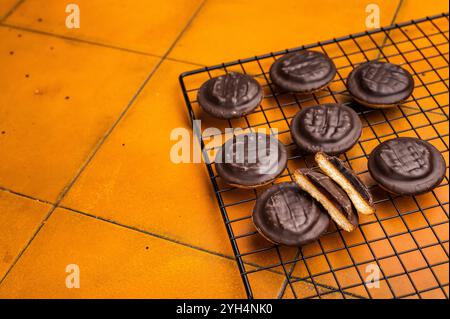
[
  {"x": 139, "y": 225},
  {"x": 231, "y": 30},
  {"x": 59, "y": 98},
  {"x": 116, "y": 262},
  {"x": 142, "y": 187},
  {"x": 140, "y": 25},
  {"x": 19, "y": 218}
]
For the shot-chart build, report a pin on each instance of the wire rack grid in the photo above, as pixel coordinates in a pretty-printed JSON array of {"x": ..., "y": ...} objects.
[{"x": 406, "y": 241}]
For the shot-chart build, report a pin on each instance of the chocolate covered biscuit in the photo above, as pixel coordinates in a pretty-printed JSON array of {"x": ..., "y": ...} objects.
[
  {"x": 303, "y": 71},
  {"x": 380, "y": 84},
  {"x": 285, "y": 214},
  {"x": 406, "y": 166},
  {"x": 330, "y": 128},
  {"x": 230, "y": 96},
  {"x": 251, "y": 160}
]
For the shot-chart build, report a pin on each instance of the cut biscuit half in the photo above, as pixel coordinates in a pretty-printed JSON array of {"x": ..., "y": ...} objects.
[
  {"x": 356, "y": 190},
  {"x": 329, "y": 195}
]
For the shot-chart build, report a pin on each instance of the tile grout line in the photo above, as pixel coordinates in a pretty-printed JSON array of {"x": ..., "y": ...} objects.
[
  {"x": 171, "y": 240},
  {"x": 394, "y": 17},
  {"x": 156, "y": 67},
  {"x": 7, "y": 190},
  {"x": 43, "y": 201},
  {"x": 127, "y": 108},
  {"x": 115, "y": 124},
  {"x": 89, "y": 42},
  {"x": 146, "y": 232},
  {"x": 142, "y": 231},
  {"x": 397, "y": 11},
  {"x": 63, "y": 37},
  {"x": 12, "y": 10},
  {"x": 101, "y": 142}
]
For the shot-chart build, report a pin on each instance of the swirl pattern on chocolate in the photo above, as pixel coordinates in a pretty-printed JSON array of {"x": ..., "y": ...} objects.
[
  {"x": 406, "y": 166},
  {"x": 384, "y": 78},
  {"x": 285, "y": 214},
  {"x": 327, "y": 123},
  {"x": 305, "y": 66},
  {"x": 331, "y": 128},
  {"x": 229, "y": 96},
  {"x": 380, "y": 83},
  {"x": 407, "y": 159},
  {"x": 303, "y": 71},
  {"x": 286, "y": 210},
  {"x": 233, "y": 89},
  {"x": 251, "y": 160}
]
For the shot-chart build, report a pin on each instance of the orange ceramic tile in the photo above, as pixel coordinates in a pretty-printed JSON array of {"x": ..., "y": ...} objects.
[
  {"x": 229, "y": 30},
  {"x": 59, "y": 98},
  {"x": 142, "y": 25},
  {"x": 6, "y": 6},
  {"x": 116, "y": 262},
  {"x": 266, "y": 284},
  {"x": 142, "y": 187},
  {"x": 60, "y": 113},
  {"x": 413, "y": 9},
  {"x": 19, "y": 219}
]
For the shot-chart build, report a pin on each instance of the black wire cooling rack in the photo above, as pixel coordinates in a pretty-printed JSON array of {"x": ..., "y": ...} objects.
[{"x": 406, "y": 240}]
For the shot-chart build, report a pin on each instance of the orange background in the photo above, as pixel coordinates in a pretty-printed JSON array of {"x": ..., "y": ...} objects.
[{"x": 85, "y": 118}]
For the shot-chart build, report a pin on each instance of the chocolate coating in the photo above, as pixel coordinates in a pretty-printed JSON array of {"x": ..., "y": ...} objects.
[
  {"x": 380, "y": 84},
  {"x": 333, "y": 192},
  {"x": 251, "y": 160},
  {"x": 330, "y": 128},
  {"x": 407, "y": 166},
  {"x": 284, "y": 214},
  {"x": 230, "y": 96},
  {"x": 350, "y": 175},
  {"x": 303, "y": 71}
]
